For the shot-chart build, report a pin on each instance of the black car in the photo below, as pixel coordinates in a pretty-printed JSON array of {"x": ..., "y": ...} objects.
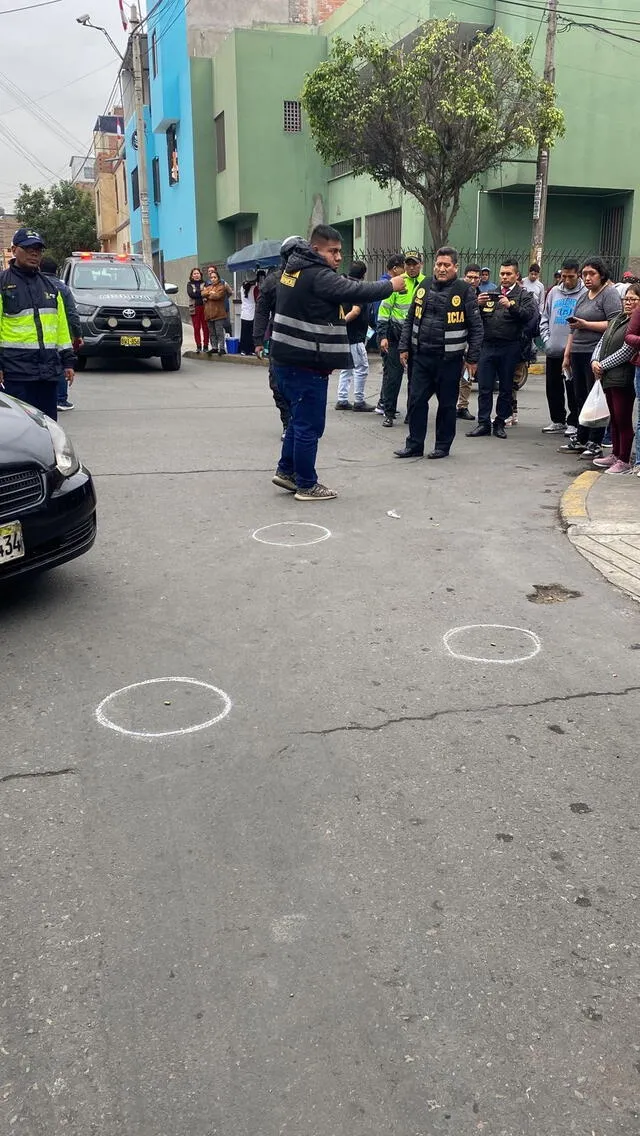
[
  {"x": 47, "y": 499},
  {"x": 123, "y": 309}
]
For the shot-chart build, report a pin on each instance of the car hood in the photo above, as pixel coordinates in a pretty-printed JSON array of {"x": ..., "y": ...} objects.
[
  {"x": 24, "y": 437},
  {"x": 114, "y": 299}
]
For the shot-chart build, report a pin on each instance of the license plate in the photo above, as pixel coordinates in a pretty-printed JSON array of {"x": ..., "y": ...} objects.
[
  {"x": 11, "y": 542},
  {"x": 129, "y": 340}
]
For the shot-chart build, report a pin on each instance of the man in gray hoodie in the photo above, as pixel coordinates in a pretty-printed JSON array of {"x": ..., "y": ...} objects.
[{"x": 554, "y": 330}]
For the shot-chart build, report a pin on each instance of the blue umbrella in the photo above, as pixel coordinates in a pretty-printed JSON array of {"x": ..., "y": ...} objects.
[{"x": 262, "y": 254}]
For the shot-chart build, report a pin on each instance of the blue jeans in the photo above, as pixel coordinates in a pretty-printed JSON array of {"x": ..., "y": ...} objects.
[
  {"x": 497, "y": 361},
  {"x": 358, "y": 372},
  {"x": 63, "y": 389},
  {"x": 306, "y": 393},
  {"x": 637, "y": 386},
  {"x": 42, "y": 394}
]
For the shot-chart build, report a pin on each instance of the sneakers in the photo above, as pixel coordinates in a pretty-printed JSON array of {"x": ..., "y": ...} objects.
[
  {"x": 512, "y": 420},
  {"x": 363, "y": 407},
  {"x": 379, "y": 409},
  {"x": 317, "y": 492},
  {"x": 387, "y": 420},
  {"x": 284, "y": 481},
  {"x": 65, "y": 405},
  {"x": 605, "y": 463},
  {"x": 618, "y": 467},
  {"x": 573, "y": 446},
  {"x": 343, "y": 406},
  {"x": 590, "y": 452},
  {"x": 555, "y": 428},
  {"x": 571, "y": 432}
]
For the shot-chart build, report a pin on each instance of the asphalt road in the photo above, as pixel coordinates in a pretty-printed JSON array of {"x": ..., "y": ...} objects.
[{"x": 392, "y": 889}]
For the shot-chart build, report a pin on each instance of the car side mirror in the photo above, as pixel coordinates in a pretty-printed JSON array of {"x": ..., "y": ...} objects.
[{"x": 171, "y": 289}]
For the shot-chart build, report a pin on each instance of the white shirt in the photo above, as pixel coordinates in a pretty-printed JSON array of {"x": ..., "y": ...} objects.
[
  {"x": 622, "y": 288},
  {"x": 248, "y": 305},
  {"x": 536, "y": 287}
]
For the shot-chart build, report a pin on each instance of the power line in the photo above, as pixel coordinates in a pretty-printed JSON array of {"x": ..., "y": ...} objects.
[
  {"x": 44, "y": 4},
  {"x": 41, "y": 98},
  {"x": 38, "y": 112},
  {"x": 175, "y": 18}
]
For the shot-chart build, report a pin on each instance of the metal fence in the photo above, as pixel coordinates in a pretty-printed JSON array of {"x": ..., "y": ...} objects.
[{"x": 376, "y": 259}]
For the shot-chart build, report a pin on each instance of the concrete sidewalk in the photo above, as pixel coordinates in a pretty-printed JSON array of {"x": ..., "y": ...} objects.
[{"x": 602, "y": 515}]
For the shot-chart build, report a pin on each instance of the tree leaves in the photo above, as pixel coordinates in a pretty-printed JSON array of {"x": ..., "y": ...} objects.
[
  {"x": 64, "y": 215},
  {"x": 431, "y": 117}
]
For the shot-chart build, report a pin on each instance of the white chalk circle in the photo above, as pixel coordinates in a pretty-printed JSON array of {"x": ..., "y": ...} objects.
[
  {"x": 285, "y": 528},
  {"x": 536, "y": 645},
  {"x": 104, "y": 719}
]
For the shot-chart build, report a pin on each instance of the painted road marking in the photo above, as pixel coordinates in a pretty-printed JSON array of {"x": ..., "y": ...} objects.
[
  {"x": 287, "y": 526},
  {"x": 535, "y": 643}
]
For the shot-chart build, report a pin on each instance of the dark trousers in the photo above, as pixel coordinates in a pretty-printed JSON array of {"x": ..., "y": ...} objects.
[
  {"x": 306, "y": 393},
  {"x": 620, "y": 401},
  {"x": 42, "y": 394},
  {"x": 278, "y": 398},
  {"x": 497, "y": 362},
  {"x": 557, "y": 386},
  {"x": 583, "y": 380},
  {"x": 246, "y": 337},
  {"x": 439, "y": 375},
  {"x": 392, "y": 372}
]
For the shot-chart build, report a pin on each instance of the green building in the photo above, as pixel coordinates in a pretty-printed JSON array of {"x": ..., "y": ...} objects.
[{"x": 256, "y": 173}]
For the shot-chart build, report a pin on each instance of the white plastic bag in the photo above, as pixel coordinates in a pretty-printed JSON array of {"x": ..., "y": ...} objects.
[{"x": 595, "y": 411}]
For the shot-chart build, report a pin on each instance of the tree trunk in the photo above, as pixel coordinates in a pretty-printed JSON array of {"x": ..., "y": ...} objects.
[{"x": 436, "y": 212}]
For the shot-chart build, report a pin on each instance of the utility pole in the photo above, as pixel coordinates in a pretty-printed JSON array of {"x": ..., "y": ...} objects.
[
  {"x": 542, "y": 164},
  {"x": 138, "y": 94}
]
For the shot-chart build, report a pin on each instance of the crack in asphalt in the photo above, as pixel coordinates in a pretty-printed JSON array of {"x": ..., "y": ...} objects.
[
  {"x": 44, "y": 773},
  {"x": 357, "y": 726}
]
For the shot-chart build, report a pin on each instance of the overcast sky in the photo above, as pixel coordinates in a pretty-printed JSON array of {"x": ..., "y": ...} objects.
[{"x": 54, "y": 51}]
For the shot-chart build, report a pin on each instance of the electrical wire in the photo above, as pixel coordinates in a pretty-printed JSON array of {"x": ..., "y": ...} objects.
[
  {"x": 44, "y": 4},
  {"x": 56, "y": 91},
  {"x": 39, "y": 113},
  {"x": 175, "y": 18},
  {"x": 105, "y": 111}
]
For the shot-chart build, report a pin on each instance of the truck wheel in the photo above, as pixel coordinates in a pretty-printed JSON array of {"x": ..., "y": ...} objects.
[{"x": 171, "y": 362}]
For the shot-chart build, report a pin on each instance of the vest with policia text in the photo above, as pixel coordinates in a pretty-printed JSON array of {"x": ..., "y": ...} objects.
[
  {"x": 308, "y": 330},
  {"x": 439, "y": 318}
]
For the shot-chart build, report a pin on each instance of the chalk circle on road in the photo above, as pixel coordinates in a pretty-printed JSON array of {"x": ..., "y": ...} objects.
[
  {"x": 283, "y": 531},
  {"x": 108, "y": 706},
  {"x": 509, "y": 644}
]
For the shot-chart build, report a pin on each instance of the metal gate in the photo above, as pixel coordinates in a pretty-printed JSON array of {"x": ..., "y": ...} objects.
[{"x": 382, "y": 232}]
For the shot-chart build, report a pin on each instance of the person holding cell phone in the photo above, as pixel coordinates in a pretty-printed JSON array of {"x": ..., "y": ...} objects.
[{"x": 595, "y": 307}]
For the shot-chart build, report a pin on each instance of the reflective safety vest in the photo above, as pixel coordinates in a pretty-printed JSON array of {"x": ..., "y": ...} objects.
[
  {"x": 394, "y": 310},
  {"x": 35, "y": 341}
]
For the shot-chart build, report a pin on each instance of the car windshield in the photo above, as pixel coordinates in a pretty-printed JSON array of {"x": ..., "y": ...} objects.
[{"x": 109, "y": 277}]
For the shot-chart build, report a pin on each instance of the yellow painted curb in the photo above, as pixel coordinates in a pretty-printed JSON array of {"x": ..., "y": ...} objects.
[{"x": 573, "y": 503}]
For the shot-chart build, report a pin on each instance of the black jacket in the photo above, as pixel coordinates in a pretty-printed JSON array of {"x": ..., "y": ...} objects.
[
  {"x": 265, "y": 307},
  {"x": 506, "y": 325},
  {"x": 35, "y": 339},
  {"x": 443, "y": 319},
  {"x": 308, "y": 327}
]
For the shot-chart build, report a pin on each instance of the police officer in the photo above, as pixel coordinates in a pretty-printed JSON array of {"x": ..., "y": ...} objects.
[
  {"x": 264, "y": 313},
  {"x": 35, "y": 341},
  {"x": 442, "y": 329},
  {"x": 309, "y": 340}
]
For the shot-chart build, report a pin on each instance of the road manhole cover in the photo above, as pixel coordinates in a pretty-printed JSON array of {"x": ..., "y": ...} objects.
[{"x": 552, "y": 593}]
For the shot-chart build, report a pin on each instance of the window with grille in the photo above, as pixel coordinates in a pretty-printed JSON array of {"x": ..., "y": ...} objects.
[
  {"x": 292, "y": 116},
  {"x": 221, "y": 143}
]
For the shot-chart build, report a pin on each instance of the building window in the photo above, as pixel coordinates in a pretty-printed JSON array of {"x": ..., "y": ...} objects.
[
  {"x": 154, "y": 54},
  {"x": 292, "y": 116},
  {"x": 221, "y": 144},
  {"x": 244, "y": 237},
  {"x": 135, "y": 188},
  {"x": 357, "y": 228},
  {"x": 172, "y": 156},
  {"x": 155, "y": 175}
]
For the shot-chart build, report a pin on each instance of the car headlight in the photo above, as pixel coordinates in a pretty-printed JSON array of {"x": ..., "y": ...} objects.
[
  {"x": 171, "y": 308},
  {"x": 66, "y": 460},
  {"x": 85, "y": 309}
]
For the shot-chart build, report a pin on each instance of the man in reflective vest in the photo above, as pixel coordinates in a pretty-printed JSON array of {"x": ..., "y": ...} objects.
[
  {"x": 442, "y": 330},
  {"x": 35, "y": 341}
]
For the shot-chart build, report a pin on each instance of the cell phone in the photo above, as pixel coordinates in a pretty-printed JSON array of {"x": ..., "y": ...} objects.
[
  {"x": 494, "y": 295},
  {"x": 572, "y": 319}
]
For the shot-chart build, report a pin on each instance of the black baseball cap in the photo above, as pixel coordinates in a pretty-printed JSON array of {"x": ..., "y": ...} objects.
[{"x": 27, "y": 238}]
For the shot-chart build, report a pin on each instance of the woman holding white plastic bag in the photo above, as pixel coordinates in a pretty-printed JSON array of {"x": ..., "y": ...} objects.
[
  {"x": 611, "y": 364},
  {"x": 598, "y": 304}
]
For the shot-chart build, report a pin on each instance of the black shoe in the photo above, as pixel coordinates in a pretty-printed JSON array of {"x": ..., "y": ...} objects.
[
  {"x": 343, "y": 406},
  {"x": 479, "y": 432},
  {"x": 438, "y": 454},
  {"x": 198, "y": 351},
  {"x": 406, "y": 453},
  {"x": 464, "y": 413},
  {"x": 406, "y": 419},
  {"x": 363, "y": 407},
  {"x": 387, "y": 420},
  {"x": 499, "y": 431}
]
